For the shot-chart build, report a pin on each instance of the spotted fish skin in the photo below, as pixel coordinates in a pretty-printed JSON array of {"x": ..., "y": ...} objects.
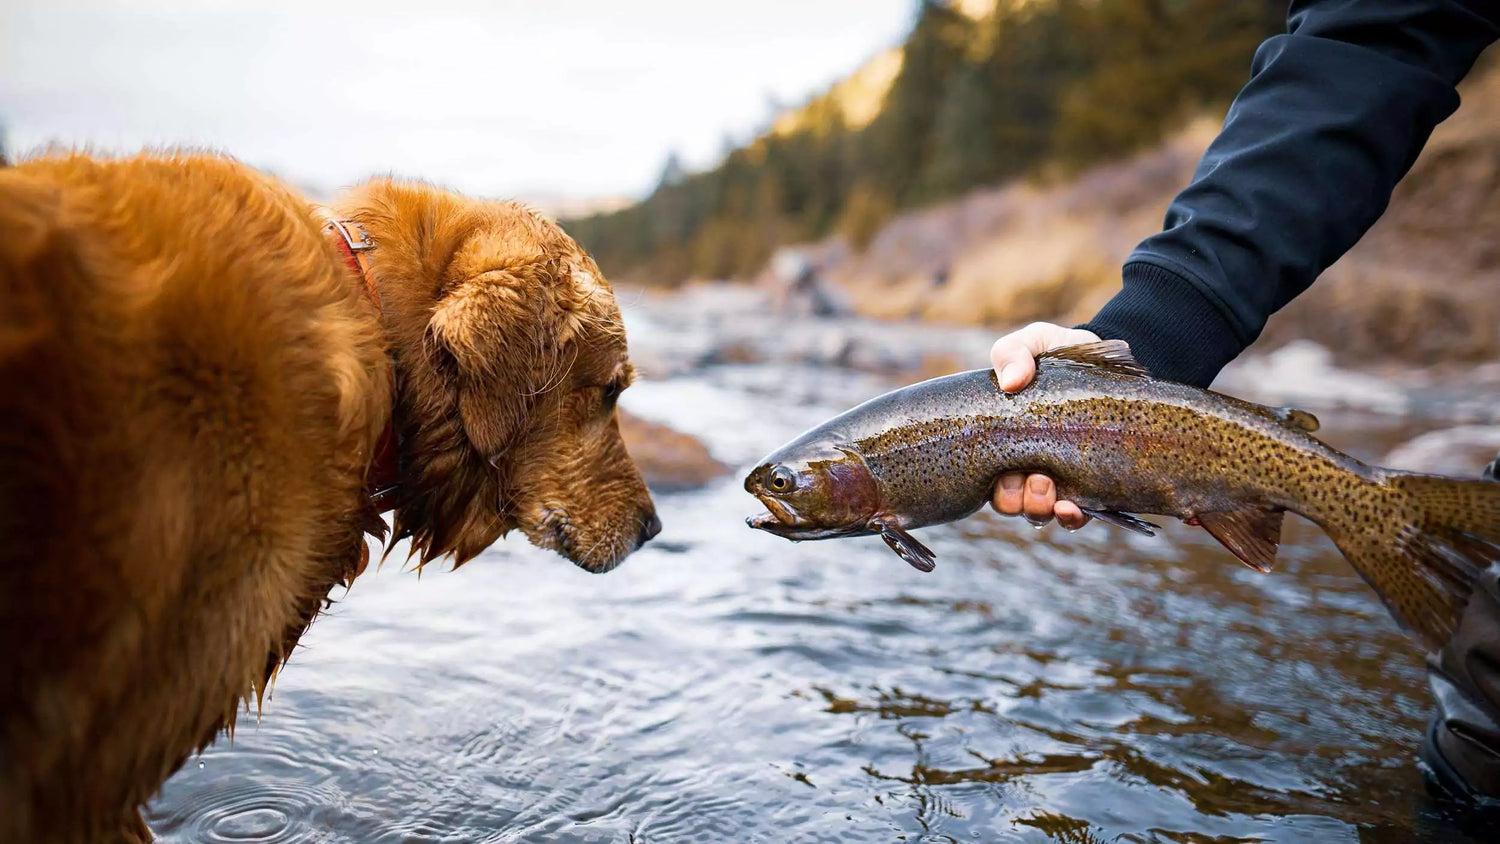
[{"x": 1117, "y": 441}]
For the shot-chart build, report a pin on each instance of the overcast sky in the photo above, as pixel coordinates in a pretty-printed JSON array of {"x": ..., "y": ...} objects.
[{"x": 517, "y": 98}]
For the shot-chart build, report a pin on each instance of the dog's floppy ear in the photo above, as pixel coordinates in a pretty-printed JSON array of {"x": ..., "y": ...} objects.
[{"x": 496, "y": 335}]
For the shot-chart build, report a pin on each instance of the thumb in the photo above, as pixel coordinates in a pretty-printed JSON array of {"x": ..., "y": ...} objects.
[{"x": 1014, "y": 355}]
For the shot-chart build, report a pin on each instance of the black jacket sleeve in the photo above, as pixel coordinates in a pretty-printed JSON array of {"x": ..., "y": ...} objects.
[{"x": 1334, "y": 114}]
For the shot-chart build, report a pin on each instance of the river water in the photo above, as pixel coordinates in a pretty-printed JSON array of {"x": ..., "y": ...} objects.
[{"x": 727, "y": 685}]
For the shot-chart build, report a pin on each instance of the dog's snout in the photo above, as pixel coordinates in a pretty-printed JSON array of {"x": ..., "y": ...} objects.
[{"x": 650, "y": 527}]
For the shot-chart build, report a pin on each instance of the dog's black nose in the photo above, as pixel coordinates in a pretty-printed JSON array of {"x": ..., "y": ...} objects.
[{"x": 650, "y": 526}]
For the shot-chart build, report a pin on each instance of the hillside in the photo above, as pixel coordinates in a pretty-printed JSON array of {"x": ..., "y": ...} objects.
[
  {"x": 999, "y": 167},
  {"x": 978, "y": 94},
  {"x": 1421, "y": 284},
  {"x": 1015, "y": 253}
]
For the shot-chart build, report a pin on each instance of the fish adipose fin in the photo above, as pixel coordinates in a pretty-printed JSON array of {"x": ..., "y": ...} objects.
[
  {"x": 1124, "y": 520},
  {"x": 1109, "y": 355},
  {"x": 906, "y": 546},
  {"x": 1294, "y": 418},
  {"x": 1251, "y": 534}
]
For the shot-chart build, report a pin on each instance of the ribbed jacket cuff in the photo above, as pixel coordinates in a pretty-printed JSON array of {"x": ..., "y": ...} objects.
[{"x": 1173, "y": 329}]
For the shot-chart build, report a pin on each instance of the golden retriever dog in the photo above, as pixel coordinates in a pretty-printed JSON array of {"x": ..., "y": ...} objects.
[{"x": 196, "y": 390}]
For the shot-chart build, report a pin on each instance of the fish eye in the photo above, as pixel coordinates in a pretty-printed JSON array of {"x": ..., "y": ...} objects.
[{"x": 781, "y": 479}]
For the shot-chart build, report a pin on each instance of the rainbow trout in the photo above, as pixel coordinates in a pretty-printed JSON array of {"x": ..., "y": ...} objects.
[{"x": 1119, "y": 442}]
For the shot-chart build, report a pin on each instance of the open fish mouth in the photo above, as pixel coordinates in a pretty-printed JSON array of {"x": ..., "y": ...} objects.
[
  {"x": 779, "y": 519},
  {"x": 782, "y": 522},
  {"x": 769, "y": 523}
]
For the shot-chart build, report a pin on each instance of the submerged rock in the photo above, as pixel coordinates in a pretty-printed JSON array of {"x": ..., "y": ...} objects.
[{"x": 670, "y": 460}]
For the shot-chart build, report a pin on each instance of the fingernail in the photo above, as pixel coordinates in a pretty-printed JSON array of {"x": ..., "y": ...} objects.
[
  {"x": 1038, "y": 485},
  {"x": 1012, "y": 483}
]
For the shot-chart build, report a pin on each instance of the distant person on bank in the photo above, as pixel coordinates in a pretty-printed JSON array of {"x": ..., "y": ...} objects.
[{"x": 1334, "y": 114}]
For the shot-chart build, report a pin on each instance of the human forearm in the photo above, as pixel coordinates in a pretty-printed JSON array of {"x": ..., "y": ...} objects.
[{"x": 1332, "y": 118}]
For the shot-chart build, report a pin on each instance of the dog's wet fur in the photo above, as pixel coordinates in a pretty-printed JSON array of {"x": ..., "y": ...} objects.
[{"x": 192, "y": 385}]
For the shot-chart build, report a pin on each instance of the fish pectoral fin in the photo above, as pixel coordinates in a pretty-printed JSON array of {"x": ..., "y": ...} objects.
[
  {"x": 1294, "y": 418},
  {"x": 1251, "y": 534},
  {"x": 906, "y": 546},
  {"x": 1109, "y": 355},
  {"x": 1124, "y": 520}
]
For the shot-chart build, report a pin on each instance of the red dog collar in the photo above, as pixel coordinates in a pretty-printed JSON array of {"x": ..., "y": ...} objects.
[{"x": 385, "y": 470}]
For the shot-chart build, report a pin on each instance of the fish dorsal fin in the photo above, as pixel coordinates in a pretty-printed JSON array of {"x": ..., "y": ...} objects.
[
  {"x": 1294, "y": 418},
  {"x": 1109, "y": 355},
  {"x": 1251, "y": 534}
]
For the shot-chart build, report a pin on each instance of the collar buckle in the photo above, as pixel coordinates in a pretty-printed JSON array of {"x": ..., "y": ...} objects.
[{"x": 353, "y": 235}]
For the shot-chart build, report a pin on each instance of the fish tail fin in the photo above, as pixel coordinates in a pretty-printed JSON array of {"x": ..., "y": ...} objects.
[{"x": 1420, "y": 541}]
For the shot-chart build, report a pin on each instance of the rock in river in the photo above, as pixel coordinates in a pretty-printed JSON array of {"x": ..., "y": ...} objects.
[{"x": 670, "y": 460}]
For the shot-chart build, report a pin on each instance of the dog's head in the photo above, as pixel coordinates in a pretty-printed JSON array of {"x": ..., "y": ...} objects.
[{"x": 510, "y": 355}]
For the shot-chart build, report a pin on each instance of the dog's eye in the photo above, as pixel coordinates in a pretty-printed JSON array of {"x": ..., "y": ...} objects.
[{"x": 611, "y": 391}]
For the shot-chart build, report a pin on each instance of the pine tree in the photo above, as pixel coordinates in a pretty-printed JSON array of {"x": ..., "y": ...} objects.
[
  {"x": 965, "y": 151},
  {"x": 900, "y": 139},
  {"x": 672, "y": 172}
]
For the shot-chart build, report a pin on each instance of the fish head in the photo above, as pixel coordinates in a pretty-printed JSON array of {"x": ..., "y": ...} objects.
[{"x": 814, "y": 491}]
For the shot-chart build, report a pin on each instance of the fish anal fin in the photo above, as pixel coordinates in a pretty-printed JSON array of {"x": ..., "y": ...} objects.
[
  {"x": 1124, "y": 520},
  {"x": 1109, "y": 355},
  {"x": 1251, "y": 534},
  {"x": 905, "y": 545},
  {"x": 1294, "y": 418}
]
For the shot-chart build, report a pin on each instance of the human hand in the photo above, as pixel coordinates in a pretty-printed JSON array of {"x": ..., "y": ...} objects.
[{"x": 1014, "y": 359}]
